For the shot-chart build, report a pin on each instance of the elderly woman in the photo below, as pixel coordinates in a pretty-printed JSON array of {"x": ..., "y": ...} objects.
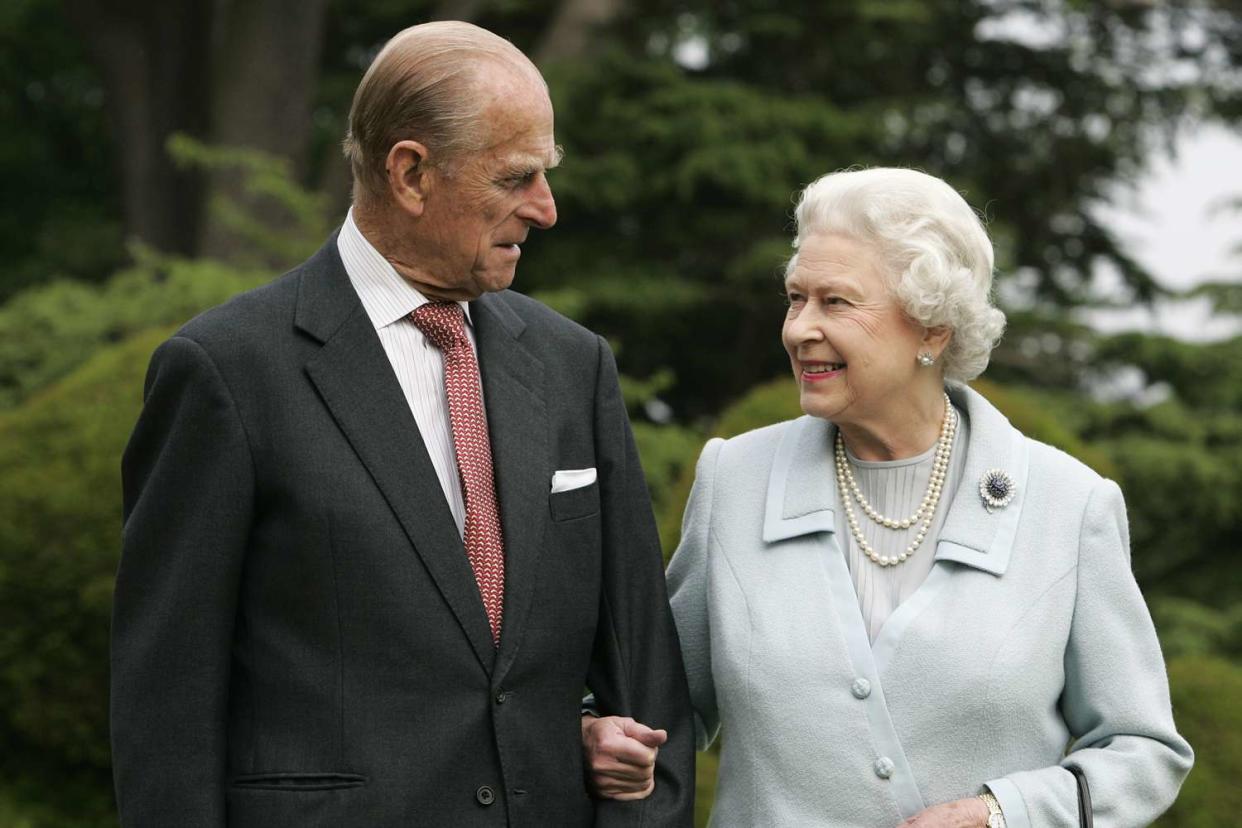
[{"x": 902, "y": 610}]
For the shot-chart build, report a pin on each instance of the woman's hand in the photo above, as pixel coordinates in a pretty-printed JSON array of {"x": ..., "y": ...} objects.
[
  {"x": 620, "y": 756},
  {"x": 960, "y": 813}
]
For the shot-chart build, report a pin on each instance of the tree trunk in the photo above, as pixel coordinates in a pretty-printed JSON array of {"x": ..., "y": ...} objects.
[
  {"x": 153, "y": 58},
  {"x": 266, "y": 59},
  {"x": 572, "y": 28}
]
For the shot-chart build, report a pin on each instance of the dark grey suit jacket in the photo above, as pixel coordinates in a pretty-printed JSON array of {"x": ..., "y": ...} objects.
[{"x": 298, "y": 639}]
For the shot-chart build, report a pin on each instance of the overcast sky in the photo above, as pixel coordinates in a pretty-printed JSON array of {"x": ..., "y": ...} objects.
[{"x": 1174, "y": 226}]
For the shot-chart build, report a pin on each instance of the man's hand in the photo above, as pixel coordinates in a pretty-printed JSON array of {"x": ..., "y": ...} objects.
[
  {"x": 620, "y": 756},
  {"x": 960, "y": 813}
]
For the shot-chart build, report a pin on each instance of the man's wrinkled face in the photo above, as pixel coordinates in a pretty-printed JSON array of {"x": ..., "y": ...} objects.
[{"x": 481, "y": 209}]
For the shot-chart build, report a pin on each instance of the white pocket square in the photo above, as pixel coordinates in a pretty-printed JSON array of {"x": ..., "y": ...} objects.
[{"x": 567, "y": 480}]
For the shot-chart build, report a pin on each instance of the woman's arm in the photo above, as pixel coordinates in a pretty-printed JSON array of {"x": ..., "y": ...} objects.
[
  {"x": 687, "y": 592},
  {"x": 1116, "y": 696}
]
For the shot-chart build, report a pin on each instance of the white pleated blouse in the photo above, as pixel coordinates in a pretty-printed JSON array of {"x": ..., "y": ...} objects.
[{"x": 894, "y": 488}]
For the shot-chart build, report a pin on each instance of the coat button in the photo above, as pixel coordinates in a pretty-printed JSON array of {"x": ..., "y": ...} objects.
[
  {"x": 861, "y": 688},
  {"x": 884, "y": 767},
  {"x": 501, "y": 697},
  {"x": 485, "y": 795}
]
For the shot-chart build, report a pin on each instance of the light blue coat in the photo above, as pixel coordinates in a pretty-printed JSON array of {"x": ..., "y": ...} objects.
[{"x": 1029, "y": 633}]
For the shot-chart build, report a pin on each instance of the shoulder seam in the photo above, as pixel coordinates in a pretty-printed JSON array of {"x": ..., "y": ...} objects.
[{"x": 228, "y": 390}]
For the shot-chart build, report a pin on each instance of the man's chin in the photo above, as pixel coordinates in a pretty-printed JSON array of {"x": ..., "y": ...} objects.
[{"x": 496, "y": 281}]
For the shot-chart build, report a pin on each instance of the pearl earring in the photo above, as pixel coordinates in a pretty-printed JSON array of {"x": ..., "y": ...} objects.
[{"x": 926, "y": 359}]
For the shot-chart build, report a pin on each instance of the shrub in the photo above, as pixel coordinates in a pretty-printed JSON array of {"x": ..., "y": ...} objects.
[
  {"x": 60, "y": 504},
  {"x": 1205, "y": 693}
]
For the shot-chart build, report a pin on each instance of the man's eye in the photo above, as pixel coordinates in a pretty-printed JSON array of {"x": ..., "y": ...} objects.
[{"x": 521, "y": 180}]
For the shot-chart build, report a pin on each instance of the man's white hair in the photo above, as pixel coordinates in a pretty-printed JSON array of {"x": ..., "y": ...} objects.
[
  {"x": 427, "y": 84},
  {"x": 936, "y": 252}
]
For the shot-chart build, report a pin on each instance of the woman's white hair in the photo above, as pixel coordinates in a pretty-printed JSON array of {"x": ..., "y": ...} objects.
[{"x": 936, "y": 252}]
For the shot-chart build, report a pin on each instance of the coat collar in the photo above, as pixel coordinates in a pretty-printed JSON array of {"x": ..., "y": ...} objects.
[{"x": 802, "y": 488}]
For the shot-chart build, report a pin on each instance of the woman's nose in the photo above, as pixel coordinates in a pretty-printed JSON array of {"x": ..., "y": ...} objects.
[{"x": 804, "y": 327}]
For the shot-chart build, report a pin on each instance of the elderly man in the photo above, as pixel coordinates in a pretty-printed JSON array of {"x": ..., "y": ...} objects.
[{"x": 384, "y": 519}]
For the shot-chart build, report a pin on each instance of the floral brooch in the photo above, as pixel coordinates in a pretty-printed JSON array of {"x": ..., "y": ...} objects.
[{"x": 997, "y": 489}]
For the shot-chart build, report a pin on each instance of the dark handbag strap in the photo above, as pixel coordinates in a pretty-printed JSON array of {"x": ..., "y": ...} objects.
[{"x": 1084, "y": 796}]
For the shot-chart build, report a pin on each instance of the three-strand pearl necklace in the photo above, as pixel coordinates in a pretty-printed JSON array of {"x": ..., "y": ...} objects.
[{"x": 927, "y": 508}]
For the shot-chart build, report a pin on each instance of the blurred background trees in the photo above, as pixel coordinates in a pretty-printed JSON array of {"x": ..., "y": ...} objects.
[{"x": 160, "y": 157}]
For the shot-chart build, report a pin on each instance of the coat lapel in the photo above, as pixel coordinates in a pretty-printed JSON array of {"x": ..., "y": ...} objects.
[
  {"x": 513, "y": 392},
  {"x": 356, "y": 382},
  {"x": 972, "y": 535},
  {"x": 802, "y": 489}
]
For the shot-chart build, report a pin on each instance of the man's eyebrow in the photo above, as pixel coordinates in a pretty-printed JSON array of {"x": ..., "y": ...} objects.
[{"x": 530, "y": 164}]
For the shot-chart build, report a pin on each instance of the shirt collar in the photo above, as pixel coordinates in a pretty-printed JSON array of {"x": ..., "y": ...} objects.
[{"x": 385, "y": 295}]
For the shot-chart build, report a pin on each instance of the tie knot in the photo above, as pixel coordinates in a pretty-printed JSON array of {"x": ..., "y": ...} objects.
[{"x": 443, "y": 323}]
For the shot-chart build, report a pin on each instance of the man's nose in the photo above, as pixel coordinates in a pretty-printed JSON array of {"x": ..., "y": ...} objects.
[{"x": 540, "y": 207}]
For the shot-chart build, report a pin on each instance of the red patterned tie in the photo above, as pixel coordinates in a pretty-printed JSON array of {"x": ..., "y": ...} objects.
[{"x": 444, "y": 324}]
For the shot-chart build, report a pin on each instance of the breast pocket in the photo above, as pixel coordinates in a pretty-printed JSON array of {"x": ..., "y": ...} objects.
[{"x": 575, "y": 503}]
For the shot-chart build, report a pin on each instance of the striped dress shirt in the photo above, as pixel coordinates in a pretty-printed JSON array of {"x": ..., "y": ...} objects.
[{"x": 389, "y": 300}]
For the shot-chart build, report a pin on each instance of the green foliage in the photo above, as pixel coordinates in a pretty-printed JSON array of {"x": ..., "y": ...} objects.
[
  {"x": 667, "y": 452},
  {"x": 59, "y": 216},
  {"x": 690, "y": 125},
  {"x": 1204, "y": 376},
  {"x": 59, "y": 544},
  {"x": 1226, "y": 297},
  {"x": 1185, "y": 508},
  {"x": 707, "y": 765},
  {"x": 46, "y": 331},
  {"x": 1188, "y": 628},
  {"x": 1040, "y": 415},
  {"x": 1205, "y": 692},
  {"x": 283, "y": 221}
]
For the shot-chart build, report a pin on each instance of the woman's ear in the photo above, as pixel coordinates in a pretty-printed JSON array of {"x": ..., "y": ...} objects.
[{"x": 936, "y": 340}]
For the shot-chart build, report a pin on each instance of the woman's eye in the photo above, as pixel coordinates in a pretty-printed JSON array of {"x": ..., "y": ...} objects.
[{"x": 792, "y": 299}]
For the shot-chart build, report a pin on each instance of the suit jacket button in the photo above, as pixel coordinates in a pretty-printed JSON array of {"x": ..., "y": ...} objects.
[
  {"x": 485, "y": 795},
  {"x": 501, "y": 696}
]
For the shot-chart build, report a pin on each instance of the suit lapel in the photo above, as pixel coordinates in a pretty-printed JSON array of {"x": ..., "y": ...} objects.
[
  {"x": 517, "y": 424},
  {"x": 356, "y": 382}
]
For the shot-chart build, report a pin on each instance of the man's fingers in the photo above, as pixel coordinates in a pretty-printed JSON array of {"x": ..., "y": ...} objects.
[
  {"x": 626, "y": 794},
  {"x": 642, "y": 733},
  {"x": 614, "y": 738},
  {"x": 611, "y": 768},
  {"x": 631, "y": 752},
  {"x": 622, "y": 757}
]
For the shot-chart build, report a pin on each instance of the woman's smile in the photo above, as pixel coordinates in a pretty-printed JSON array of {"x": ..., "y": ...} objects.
[{"x": 821, "y": 371}]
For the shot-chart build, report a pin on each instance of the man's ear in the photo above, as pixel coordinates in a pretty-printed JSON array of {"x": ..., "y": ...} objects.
[
  {"x": 936, "y": 339},
  {"x": 409, "y": 176}
]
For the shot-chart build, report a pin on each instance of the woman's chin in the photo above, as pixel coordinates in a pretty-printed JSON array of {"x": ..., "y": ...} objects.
[{"x": 818, "y": 404}]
